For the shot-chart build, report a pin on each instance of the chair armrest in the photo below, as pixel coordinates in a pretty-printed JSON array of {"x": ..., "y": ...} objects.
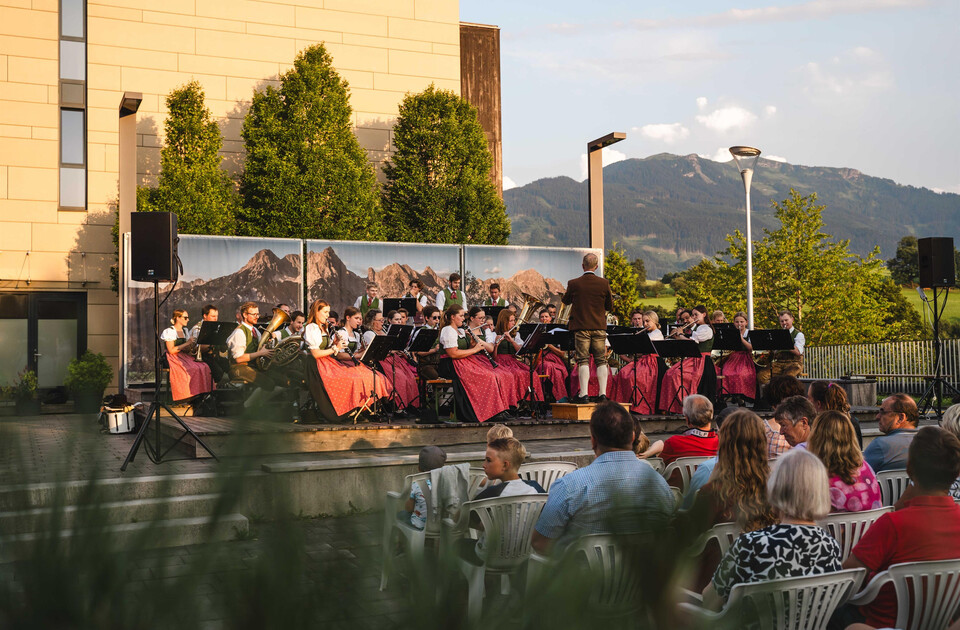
[
  {"x": 698, "y": 614},
  {"x": 691, "y": 597},
  {"x": 537, "y": 568},
  {"x": 869, "y": 593}
]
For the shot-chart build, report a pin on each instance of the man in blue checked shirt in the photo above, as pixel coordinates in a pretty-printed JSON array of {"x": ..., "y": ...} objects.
[{"x": 617, "y": 493}]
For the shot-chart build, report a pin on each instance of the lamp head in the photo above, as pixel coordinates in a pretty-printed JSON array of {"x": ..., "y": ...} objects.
[
  {"x": 745, "y": 157},
  {"x": 130, "y": 103}
]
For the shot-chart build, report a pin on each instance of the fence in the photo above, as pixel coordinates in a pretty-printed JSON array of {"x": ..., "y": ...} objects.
[{"x": 905, "y": 358}]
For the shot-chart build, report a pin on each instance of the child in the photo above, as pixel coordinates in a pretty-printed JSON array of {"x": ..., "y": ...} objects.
[
  {"x": 416, "y": 507},
  {"x": 499, "y": 431}
]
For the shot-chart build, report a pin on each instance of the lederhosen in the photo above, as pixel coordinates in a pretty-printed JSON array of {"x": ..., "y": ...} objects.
[
  {"x": 786, "y": 362},
  {"x": 245, "y": 371}
]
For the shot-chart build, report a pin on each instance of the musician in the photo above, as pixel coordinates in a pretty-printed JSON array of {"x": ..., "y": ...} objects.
[
  {"x": 739, "y": 370},
  {"x": 452, "y": 294},
  {"x": 295, "y": 327},
  {"x": 642, "y": 374},
  {"x": 591, "y": 298},
  {"x": 717, "y": 317},
  {"x": 283, "y": 307},
  {"x": 415, "y": 291},
  {"x": 512, "y": 388},
  {"x": 476, "y": 391},
  {"x": 211, "y": 355},
  {"x": 506, "y": 345},
  {"x": 404, "y": 316},
  {"x": 428, "y": 360},
  {"x": 368, "y": 300},
  {"x": 351, "y": 329},
  {"x": 490, "y": 329},
  {"x": 699, "y": 375},
  {"x": 373, "y": 323},
  {"x": 397, "y": 366},
  {"x": 345, "y": 386},
  {"x": 545, "y": 317},
  {"x": 553, "y": 362},
  {"x": 789, "y": 362},
  {"x": 636, "y": 320},
  {"x": 188, "y": 377},
  {"x": 333, "y": 319},
  {"x": 494, "y": 299},
  {"x": 242, "y": 346},
  {"x": 685, "y": 321},
  {"x": 552, "y": 308}
]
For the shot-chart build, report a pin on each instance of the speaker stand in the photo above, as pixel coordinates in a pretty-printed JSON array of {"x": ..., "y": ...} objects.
[
  {"x": 153, "y": 415},
  {"x": 939, "y": 383}
]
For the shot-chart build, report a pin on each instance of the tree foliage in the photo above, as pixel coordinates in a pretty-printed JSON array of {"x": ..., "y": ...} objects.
[
  {"x": 438, "y": 187},
  {"x": 306, "y": 174},
  {"x": 835, "y": 295},
  {"x": 192, "y": 184},
  {"x": 905, "y": 267},
  {"x": 623, "y": 282}
]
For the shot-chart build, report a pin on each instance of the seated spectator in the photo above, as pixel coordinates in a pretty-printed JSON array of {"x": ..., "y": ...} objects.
[
  {"x": 795, "y": 415},
  {"x": 700, "y": 440},
  {"x": 416, "y": 507},
  {"x": 925, "y": 527},
  {"x": 615, "y": 493},
  {"x": 641, "y": 443},
  {"x": 898, "y": 419},
  {"x": 951, "y": 422},
  {"x": 796, "y": 547},
  {"x": 782, "y": 387},
  {"x": 853, "y": 486},
  {"x": 498, "y": 431},
  {"x": 830, "y": 396},
  {"x": 702, "y": 474}
]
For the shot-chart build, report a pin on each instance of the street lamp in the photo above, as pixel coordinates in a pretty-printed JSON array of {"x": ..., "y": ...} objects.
[
  {"x": 127, "y": 188},
  {"x": 746, "y": 159},
  {"x": 595, "y": 183}
]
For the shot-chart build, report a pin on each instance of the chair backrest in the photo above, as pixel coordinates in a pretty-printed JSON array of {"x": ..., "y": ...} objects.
[
  {"x": 432, "y": 526},
  {"x": 849, "y": 527},
  {"x": 799, "y": 603},
  {"x": 545, "y": 473},
  {"x": 928, "y": 593},
  {"x": 508, "y": 527},
  {"x": 615, "y": 586},
  {"x": 473, "y": 485},
  {"x": 656, "y": 463},
  {"x": 724, "y": 533},
  {"x": 686, "y": 466},
  {"x": 892, "y": 484}
]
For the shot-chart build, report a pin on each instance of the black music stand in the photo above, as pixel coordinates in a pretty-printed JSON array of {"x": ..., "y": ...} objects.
[
  {"x": 532, "y": 345},
  {"x": 395, "y": 304},
  {"x": 613, "y": 329},
  {"x": 493, "y": 311},
  {"x": 421, "y": 340},
  {"x": 215, "y": 333},
  {"x": 377, "y": 351},
  {"x": 153, "y": 414},
  {"x": 400, "y": 334},
  {"x": 634, "y": 344},
  {"x": 726, "y": 337},
  {"x": 771, "y": 340},
  {"x": 682, "y": 349}
]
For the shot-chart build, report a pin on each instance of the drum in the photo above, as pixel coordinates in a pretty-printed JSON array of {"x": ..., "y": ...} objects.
[{"x": 118, "y": 421}]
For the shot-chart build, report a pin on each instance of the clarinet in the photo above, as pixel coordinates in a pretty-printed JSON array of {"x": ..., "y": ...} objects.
[
  {"x": 493, "y": 362},
  {"x": 335, "y": 332}
]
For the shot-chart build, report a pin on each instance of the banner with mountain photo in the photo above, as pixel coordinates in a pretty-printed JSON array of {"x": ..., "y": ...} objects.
[
  {"x": 224, "y": 271},
  {"x": 338, "y": 271},
  {"x": 542, "y": 272}
]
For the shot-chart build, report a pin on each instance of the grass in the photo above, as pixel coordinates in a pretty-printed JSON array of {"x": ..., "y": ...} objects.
[{"x": 952, "y": 310}]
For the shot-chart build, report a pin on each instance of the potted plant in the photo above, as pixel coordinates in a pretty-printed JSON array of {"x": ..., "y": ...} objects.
[
  {"x": 87, "y": 378},
  {"x": 24, "y": 393}
]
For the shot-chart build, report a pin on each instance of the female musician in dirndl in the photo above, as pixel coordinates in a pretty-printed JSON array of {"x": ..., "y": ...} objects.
[
  {"x": 188, "y": 377},
  {"x": 553, "y": 363},
  {"x": 477, "y": 393},
  {"x": 398, "y": 370},
  {"x": 512, "y": 387},
  {"x": 739, "y": 370},
  {"x": 699, "y": 375},
  {"x": 347, "y": 386},
  {"x": 505, "y": 349},
  {"x": 647, "y": 369}
]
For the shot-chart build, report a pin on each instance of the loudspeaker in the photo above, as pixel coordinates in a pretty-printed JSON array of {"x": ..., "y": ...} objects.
[
  {"x": 153, "y": 246},
  {"x": 937, "y": 267}
]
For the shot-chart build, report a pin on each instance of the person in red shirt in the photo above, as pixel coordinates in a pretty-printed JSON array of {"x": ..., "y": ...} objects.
[
  {"x": 700, "y": 440},
  {"x": 925, "y": 526}
]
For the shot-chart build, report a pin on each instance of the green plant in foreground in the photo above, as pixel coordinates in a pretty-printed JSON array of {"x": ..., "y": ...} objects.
[
  {"x": 89, "y": 373},
  {"x": 24, "y": 388}
]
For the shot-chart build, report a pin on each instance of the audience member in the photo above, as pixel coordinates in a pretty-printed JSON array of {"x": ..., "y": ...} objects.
[
  {"x": 641, "y": 443},
  {"x": 700, "y": 440},
  {"x": 951, "y": 422},
  {"x": 782, "y": 387},
  {"x": 830, "y": 396},
  {"x": 416, "y": 508},
  {"x": 853, "y": 486},
  {"x": 795, "y": 547},
  {"x": 795, "y": 415},
  {"x": 502, "y": 462},
  {"x": 925, "y": 527},
  {"x": 498, "y": 431},
  {"x": 898, "y": 419},
  {"x": 615, "y": 493},
  {"x": 702, "y": 474}
]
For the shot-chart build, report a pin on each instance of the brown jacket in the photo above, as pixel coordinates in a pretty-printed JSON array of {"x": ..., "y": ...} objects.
[{"x": 591, "y": 298}]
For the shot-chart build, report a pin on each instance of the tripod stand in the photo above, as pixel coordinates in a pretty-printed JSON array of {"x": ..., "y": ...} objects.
[
  {"x": 153, "y": 414},
  {"x": 939, "y": 382}
]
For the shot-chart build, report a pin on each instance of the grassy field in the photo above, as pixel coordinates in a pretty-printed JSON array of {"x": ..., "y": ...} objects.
[{"x": 952, "y": 311}]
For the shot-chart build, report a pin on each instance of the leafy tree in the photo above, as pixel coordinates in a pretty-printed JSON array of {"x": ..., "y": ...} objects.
[
  {"x": 836, "y": 296},
  {"x": 640, "y": 267},
  {"x": 623, "y": 282},
  {"x": 191, "y": 182},
  {"x": 306, "y": 174},
  {"x": 905, "y": 267},
  {"x": 438, "y": 187}
]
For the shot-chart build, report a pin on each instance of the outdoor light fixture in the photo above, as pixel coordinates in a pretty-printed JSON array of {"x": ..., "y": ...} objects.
[
  {"x": 746, "y": 159},
  {"x": 595, "y": 183},
  {"x": 130, "y": 103},
  {"x": 127, "y": 189}
]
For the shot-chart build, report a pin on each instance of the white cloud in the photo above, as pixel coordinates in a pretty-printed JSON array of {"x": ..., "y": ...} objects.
[
  {"x": 774, "y": 158},
  {"x": 854, "y": 72},
  {"x": 769, "y": 110},
  {"x": 721, "y": 155},
  {"x": 664, "y": 132},
  {"x": 610, "y": 156},
  {"x": 508, "y": 183},
  {"x": 701, "y": 103},
  {"x": 727, "y": 118},
  {"x": 492, "y": 271}
]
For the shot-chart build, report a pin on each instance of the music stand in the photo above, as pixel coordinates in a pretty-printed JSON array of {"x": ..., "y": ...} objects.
[
  {"x": 493, "y": 311},
  {"x": 422, "y": 340},
  {"x": 531, "y": 346},
  {"x": 377, "y": 351},
  {"x": 726, "y": 337},
  {"x": 153, "y": 414},
  {"x": 215, "y": 333},
  {"x": 620, "y": 330},
  {"x": 395, "y": 304},
  {"x": 400, "y": 334},
  {"x": 636, "y": 345},
  {"x": 682, "y": 349}
]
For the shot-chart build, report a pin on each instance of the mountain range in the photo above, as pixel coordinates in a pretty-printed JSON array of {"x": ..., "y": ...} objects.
[{"x": 674, "y": 210}]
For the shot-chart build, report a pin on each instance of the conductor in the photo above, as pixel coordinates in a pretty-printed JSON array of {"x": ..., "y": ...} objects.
[{"x": 591, "y": 298}]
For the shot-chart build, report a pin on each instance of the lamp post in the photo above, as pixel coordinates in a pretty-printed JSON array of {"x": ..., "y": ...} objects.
[
  {"x": 127, "y": 185},
  {"x": 595, "y": 183},
  {"x": 746, "y": 160}
]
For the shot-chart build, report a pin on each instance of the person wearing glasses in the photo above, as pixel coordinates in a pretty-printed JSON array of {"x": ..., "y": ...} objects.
[
  {"x": 427, "y": 361},
  {"x": 242, "y": 345},
  {"x": 415, "y": 291},
  {"x": 188, "y": 377},
  {"x": 476, "y": 387},
  {"x": 898, "y": 419}
]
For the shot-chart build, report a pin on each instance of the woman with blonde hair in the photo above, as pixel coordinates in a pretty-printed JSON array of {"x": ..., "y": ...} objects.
[
  {"x": 739, "y": 370},
  {"x": 643, "y": 371},
  {"x": 827, "y": 396},
  {"x": 853, "y": 485},
  {"x": 505, "y": 349},
  {"x": 188, "y": 377}
]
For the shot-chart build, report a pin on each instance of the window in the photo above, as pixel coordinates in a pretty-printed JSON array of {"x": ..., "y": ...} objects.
[{"x": 73, "y": 118}]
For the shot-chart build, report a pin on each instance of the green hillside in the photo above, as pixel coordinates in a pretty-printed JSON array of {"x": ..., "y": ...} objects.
[{"x": 674, "y": 210}]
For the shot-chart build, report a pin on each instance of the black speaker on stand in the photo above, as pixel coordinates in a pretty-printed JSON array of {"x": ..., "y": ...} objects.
[
  {"x": 938, "y": 272},
  {"x": 153, "y": 258}
]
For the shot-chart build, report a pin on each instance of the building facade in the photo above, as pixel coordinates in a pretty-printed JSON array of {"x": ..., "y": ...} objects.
[{"x": 64, "y": 67}]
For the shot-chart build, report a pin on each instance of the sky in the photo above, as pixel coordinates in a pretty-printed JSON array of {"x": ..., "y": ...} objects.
[{"x": 872, "y": 85}]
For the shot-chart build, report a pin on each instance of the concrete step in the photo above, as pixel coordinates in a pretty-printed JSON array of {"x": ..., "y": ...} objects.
[
  {"x": 109, "y": 513},
  {"x": 174, "y": 532}
]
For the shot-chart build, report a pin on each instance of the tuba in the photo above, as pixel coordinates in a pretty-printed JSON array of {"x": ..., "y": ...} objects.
[
  {"x": 284, "y": 352},
  {"x": 563, "y": 315},
  {"x": 530, "y": 306}
]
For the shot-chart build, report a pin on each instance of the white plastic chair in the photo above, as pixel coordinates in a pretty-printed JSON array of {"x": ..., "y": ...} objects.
[
  {"x": 656, "y": 463},
  {"x": 799, "y": 603},
  {"x": 413, "y": 539},
  {"x": 508, "y": 527},
  {"x": 892, "y": 485},
  {"x": 475, "y": 483},
  {"x": 849, "y": 527},
  {"x": 545, "y": 473},
  {"x": 724, "y": 533},
  {"x": 928, "y": 593},
  {"x": 686, "y": 466}
]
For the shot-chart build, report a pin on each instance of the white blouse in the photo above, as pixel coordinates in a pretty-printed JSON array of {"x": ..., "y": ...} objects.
[
  {"x": 450, "y": 335},
  {"x": 702, "y": 333},
  {"x": 170, "y": 334},
  {"x": 368, "y": 338},
  {"x": 655, "y": 335},
  {"x": 313, "y": 336}
]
